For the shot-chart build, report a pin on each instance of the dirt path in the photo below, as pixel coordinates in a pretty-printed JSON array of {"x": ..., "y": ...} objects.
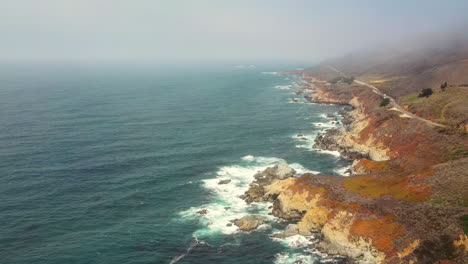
[{"x": 393, "y": 103}]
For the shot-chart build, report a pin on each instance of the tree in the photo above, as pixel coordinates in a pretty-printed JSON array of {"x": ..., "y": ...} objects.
[
  {"x": 385, "y": 101},
  {"x": 348, "y": 80},
  {"x": 426, "y": 92},
  {"x": 443, "y": 86}
]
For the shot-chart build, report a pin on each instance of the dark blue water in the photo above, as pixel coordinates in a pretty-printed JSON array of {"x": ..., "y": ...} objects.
[{"x": 107, "y": 164}]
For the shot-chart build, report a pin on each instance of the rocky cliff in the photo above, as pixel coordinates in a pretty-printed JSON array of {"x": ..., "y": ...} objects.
[{"x": 406, "y": 201}]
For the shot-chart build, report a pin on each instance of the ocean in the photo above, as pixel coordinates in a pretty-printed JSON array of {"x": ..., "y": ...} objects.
[{"x": 110, "y": 163}]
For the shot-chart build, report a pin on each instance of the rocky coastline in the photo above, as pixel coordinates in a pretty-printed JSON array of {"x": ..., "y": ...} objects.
[{"x": 381, "y": 213}]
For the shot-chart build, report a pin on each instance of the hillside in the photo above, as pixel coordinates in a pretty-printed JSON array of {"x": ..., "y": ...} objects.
[
  {"x": 406, "y": 68},
  {"x": 406, "y": 201}
]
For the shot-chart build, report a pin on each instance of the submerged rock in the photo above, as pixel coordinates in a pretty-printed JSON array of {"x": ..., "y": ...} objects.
[
  {"x": 224, "y": 181},
  {"x": 250, "y": 222},
  {"x": 202, "y": 212}
]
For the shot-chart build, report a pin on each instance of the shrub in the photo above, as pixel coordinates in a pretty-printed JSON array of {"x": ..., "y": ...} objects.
[
  {"x": 348, "y": 80},
  {"x": 443, "y": 86},
  {"x": 464, "y": 220},
  {"x": 384, "y": 102},
  {"x": 426, "y": 92},
  {"x": 341, "y": 79}
]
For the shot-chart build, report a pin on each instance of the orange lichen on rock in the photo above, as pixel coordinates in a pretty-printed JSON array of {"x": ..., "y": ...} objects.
[
  {"x": 373, "y": 125},
  {"x": 302, "y": 186},
  {"x": 409, "y": 249},
  {"x": 370, "y": 166},
  {"x": 337, "y": 206},
  {"x": 411, "y": 188},
  {"x": 381, "y": 231}
]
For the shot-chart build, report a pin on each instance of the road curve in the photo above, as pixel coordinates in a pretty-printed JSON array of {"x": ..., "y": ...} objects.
[{"x": 393, "y": 103}]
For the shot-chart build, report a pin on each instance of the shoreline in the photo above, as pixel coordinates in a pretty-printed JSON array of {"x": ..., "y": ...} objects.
[
  {"x": 369, "y": 217},
  {"x": 258, "y": 215},
  {"x": 380, "y": 214}
]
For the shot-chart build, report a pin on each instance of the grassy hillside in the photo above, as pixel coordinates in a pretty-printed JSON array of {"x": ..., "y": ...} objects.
[{"x": 449, "y": 107}]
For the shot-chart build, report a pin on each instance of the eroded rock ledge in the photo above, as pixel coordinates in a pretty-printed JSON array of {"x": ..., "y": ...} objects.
[
  {"x": 348, "y": 139},
  {"x": 367, "y": 230}
]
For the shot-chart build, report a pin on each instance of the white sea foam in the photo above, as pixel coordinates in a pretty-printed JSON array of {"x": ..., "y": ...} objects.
[
  {"x": 296, "y": 241},
  {"x": 305, "y": 141},
  {"x": 283, "y": 87},
  {"x": 227, "y": 205},
  {"x": 330, "y": 124},
  {"x": 290, "y": 258},
  {"x": 343, "y": 171},
  {"x": 301, "y": 170},
  {"x": 248, "y": 158},
  {"x": 193, "y": 244},
  {"x": 272, "y": 73},
  {"x": 328, "y": 117},
  {"x": 329, "y": 152}
]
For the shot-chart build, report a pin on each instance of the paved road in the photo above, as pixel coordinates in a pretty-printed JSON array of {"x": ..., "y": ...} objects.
[{"x": 393, "y": 103}]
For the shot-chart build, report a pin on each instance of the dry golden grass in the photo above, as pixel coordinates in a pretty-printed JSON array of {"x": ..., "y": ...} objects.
[{"x": 450, "y": 107}]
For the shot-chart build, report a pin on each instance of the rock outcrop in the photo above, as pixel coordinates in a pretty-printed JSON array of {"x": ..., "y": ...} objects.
[
  {"x": 256, "y": 191},
  {"x": 250, "y": 222},
  {"x": 349, "y": 140},
  {"x": 290, "y": 230}
]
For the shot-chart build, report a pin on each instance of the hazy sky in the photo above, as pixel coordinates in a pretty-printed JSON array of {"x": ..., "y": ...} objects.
[{"x": 212, "y": 30}]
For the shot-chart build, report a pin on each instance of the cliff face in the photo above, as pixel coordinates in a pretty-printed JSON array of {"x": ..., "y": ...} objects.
[
  {"x": 357, "y": 136},
  {"x": 342, "y": 226}
]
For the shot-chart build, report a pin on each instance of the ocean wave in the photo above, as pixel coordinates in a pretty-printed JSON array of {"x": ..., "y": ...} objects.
[
  {"x": 271, "y": 73},
  {"x": 344, "y": 171},
  {"x": 283, "y": 87},
  {"x": 193, "y": 244},
  {"x": 329, "y": 152},
  {"x": 227, "y": 205},
  {"x": 330, "y": 124},
  {"x": 306, "y": 140},
  {"x": 291, "y": 258},
  {"x": 296, "y": 241}
]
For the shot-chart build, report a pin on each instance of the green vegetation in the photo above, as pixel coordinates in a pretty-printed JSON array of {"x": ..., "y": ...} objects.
[
  {"x": 384, "y": 102},
  {"x": 447, "y": 107},
  {"x": 457, "y": 152},
  {"x": 464, "y": 223},
  {"x": 426, "y": 92},
  {"x": 462, "y": 201},
  {"x": 440, "y": 200},
  {"x": 348, "y": 80}
]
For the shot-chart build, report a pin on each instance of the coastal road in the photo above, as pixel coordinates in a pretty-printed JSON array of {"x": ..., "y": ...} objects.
[{"x": 393, "y": 103}]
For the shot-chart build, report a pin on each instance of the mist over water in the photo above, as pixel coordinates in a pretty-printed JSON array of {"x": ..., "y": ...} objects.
[{"x": 110, "y": 164}]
